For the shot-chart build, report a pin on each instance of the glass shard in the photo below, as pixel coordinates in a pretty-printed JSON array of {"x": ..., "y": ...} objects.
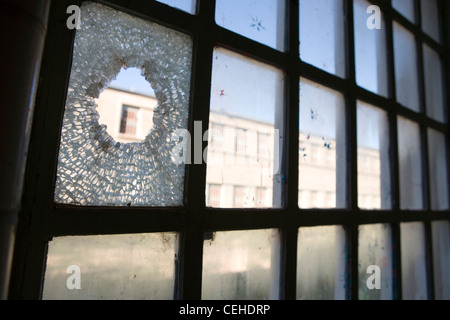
[
  {"x": 93, "y": 168},
  {"x": 117, "y": 267}
]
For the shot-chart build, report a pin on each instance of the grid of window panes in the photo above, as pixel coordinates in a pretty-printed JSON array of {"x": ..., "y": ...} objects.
[{"x": 329, "y": 156}]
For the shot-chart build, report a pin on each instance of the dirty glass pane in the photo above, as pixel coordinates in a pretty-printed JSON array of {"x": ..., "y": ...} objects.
[
  {"x": 185, "y": 5},
  {"x": 93, "y": 168},
  {"x": 431, "y": 18},
  {"x": 321, "y": 264},
  {"x": 406, "y": 72},
  {"x": 437, "y": 161},
  {"x": 322, "y": 36},
  {"x": 241, "y": 265},
  {"x": 374, "y": 181},
  {"x": 244, "y": 141},
  {"x": 410, "y": 164},
  {"x": 116, "y": 267},
  {"x": 375, "y": 249},
  {"x": 434, "y": 87},
  {"x": 414, "y": 269},
  {"x": 406, "y": 8},
  {"x": 322, "y": 155},
  {"x": 441, "y": 256},
  {"x": 259, "y": 20},
  {"x": 370, "y": 51}
]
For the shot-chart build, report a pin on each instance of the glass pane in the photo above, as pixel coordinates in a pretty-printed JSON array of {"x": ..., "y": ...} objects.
[
  {"x": 434, "y": 87},
  {"x": 437, "y": 160},
  {"x": 243, "y": 151},
  {"x": 431, "y": 18},
  {"x": 370, "y": 51},
  {"x": 322, "y": 155},
  {"x": 241, "y": 265},
  {"x": 375, "y": 249},
  {"x": 259, "y": 20},
  {"x": 322, "y": 37},
  {"x": 185, "y": 5},
  {"x": 414, "y": 269},
  {"x": 410, "y": 164},
  {"x": 406, "y": 72},
  {"x": 93, "y": 168},
  {"x": 441, "y": 255},
  {"x": 406, "y": 8},
  {"x": 374, "y": 180},
  {"x": 118, "y": 267},
  {"x": 321, "y": 264}
]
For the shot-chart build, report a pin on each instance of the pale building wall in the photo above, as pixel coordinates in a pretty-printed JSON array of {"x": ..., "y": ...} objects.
[{"x": 233, "y": 164}]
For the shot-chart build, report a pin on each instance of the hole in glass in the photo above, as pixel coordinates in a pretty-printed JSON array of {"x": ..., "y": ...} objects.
[{"x": 126, "y": 106}]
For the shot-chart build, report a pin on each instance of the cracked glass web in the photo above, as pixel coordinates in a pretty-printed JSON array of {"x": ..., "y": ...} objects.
[{"x": 94, "y": 169}]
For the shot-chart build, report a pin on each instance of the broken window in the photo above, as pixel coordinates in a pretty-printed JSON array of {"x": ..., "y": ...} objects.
[{"x": 93, "y": 168}]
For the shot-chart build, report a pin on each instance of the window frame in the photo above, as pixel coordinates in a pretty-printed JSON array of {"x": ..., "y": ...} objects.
[{"x": 41, "y": 219}]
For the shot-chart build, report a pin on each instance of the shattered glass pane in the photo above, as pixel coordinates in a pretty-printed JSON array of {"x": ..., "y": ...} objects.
[
  {"x": 93, "y": 168},
  {"x": 109, "y": 267}
]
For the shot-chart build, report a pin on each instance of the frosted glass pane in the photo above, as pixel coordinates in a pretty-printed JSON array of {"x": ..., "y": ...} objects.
[
  {"x": 374, "y": 180},
  {"x": 414, "y": 269},
  {"x": 244, "y": 141},
  {"x": 410, "y": 164},
  {"x": 322, "y": 155},
  {"x": 437, "y": 160},
  {"x": 93, "y": 168},
  {"x": 321, "y": 264},
  {"x": 375, "y": 249},
  {"x": 434, "y": 87},
  {"x": 441, "y": 256},
  {"x": 406, "y": 8},
  {"x": 322, "y": 40},
  {"x": 259, "y": 20},
  {"x": 406, "y": 72},
  {"x": 116, "y": 267},
  {"x": 370, "y": 51},
  {"x": 241, "y": 265},
  {"x": 430, "y": 19},
  {"x": 185, "y": 5}
]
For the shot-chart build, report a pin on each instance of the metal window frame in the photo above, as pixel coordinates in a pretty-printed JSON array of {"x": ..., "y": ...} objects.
[{"x": 41, "y": 219}]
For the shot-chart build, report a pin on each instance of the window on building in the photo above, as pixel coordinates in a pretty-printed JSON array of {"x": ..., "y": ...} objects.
[
  {"x": 128, "y": 120},
  {"x": 357, "y": 170}
]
